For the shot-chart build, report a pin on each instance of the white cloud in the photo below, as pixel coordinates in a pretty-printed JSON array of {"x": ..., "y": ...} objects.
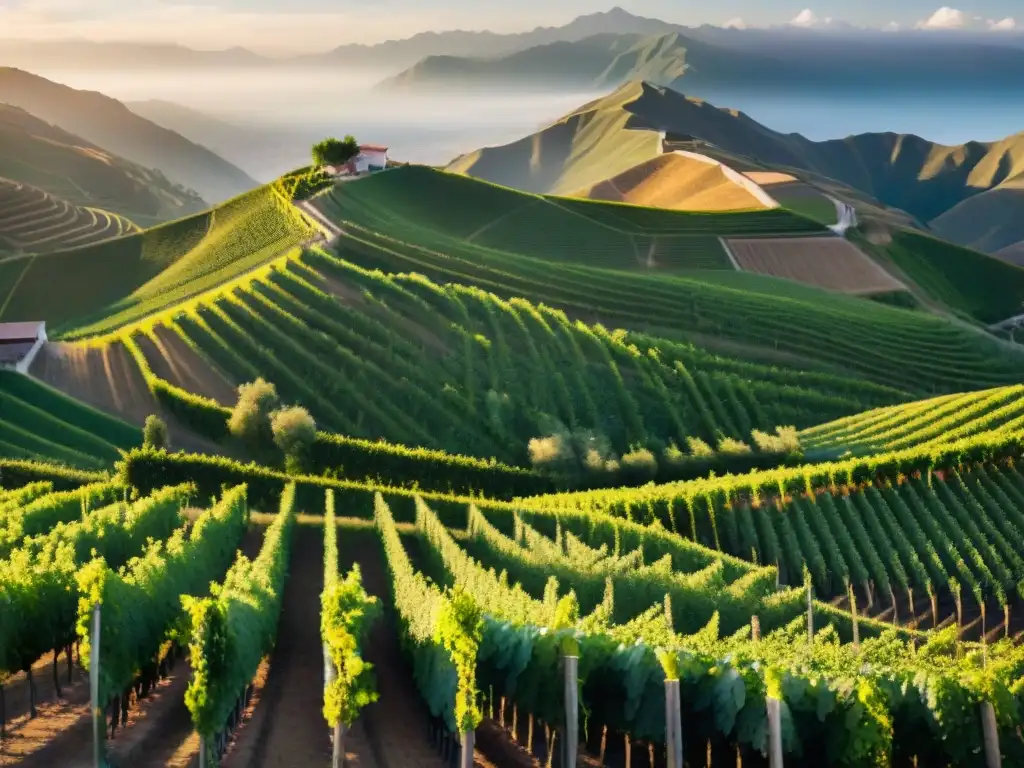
[
  {"x": 1005, "y": 25},
  {"x": 736, "y": 23},
  {"x": 806, "y": 18},
  {"x": 945, "y": 18},
  {"x": 892, "y": 26}
]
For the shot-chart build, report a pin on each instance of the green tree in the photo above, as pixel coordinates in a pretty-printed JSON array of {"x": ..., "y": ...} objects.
[
  {"x": 333, "y": 151},
  {"x": 294, "y": 433},
  {"x": 154, "y": 433},
  {"x": 250, "y": 418}
]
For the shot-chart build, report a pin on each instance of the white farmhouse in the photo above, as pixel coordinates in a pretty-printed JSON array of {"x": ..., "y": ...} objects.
[
  {"x": 19, "y": 344},
  {"x": 371, "y": 157}
]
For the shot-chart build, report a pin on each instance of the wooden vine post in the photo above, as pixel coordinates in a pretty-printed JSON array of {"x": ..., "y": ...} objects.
[
  {"x": 853, "y": 614},
  {"x": 993, "y": 756},
  {"x": 774, "y": 732},
  {"x": 673, "y": 724},
  {"x": 810, "y": 609},
  {"x": 466, "y": 758},
  {"x": 570, "y": 744},
  {"x": 98, "y": 720}
]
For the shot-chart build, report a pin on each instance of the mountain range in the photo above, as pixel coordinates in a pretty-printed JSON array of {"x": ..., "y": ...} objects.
[
  {"x": 716, "y": 62},
  {"x": 834, "y": 40},
  {"x": 47, "y": 157},
  {"x": 972, "y": 194},
  {"x": 108, "y": 123}
]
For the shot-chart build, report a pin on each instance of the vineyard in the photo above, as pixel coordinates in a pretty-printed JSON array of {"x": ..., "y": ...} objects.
[
  {"x": 561, "y": 489},
  {"x": 329, "y": 332},
  {"x": 39, "y": 422},
  {"x": 109, "y": 284},
  {"x": 36, "y": 222}
]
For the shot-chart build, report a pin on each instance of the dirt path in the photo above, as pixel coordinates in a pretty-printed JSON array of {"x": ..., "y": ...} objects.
[{"x": 288, "y": 729}]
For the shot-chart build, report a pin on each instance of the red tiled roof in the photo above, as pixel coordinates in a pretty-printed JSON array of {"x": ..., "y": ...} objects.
[
  {"x": 20, "y": 331},
  {"x": 373, "y": 148}
]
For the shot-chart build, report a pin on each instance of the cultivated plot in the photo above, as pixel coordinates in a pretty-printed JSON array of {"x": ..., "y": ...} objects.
[{"x": 826, "y": 262}]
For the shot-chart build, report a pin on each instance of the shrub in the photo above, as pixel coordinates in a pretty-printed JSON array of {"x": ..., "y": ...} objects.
[
  {"x": 639, "y": 465},
  {"x": 333, "y": 151},
  {"x": 553, "y": 453},
  {"x": 154, "y": 433},
  {"x": 730, "y": 446},
  {"x": 294, "y": 433},
  {"x": 698, "y": 447},
  {"x": 250, "y": 418}
]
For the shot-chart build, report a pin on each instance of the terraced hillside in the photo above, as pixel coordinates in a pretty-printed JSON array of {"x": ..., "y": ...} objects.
[
  {"x": 926, "y": 422},
  {"x": 591, "y": 233},
  {"x": 37, "y": 422},
  {"x": 460, "y": 345},
  {"x": 32, "y": 221},
  {"x": 935, "y": 524},
  {"x": 115, "y": 282},
  {"x": 328, "y": 333},
  {"x": 43, "y": 156},
  {"x": 738, "y": 314}
]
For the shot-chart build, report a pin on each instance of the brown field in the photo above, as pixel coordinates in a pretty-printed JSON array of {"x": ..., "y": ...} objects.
[
  {"x": 826, "y": 262},
  {"x": 675, "y": 182},
  {"x": 108, "y": 378},
  {"x": 174, "y": 361},
  {"x": 769, "y": 178}
]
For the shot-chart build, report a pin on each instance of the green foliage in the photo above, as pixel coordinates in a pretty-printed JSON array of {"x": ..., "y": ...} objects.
[
  {"x": 975, "y": 283},
  {"x": 38, "y": 580},
  {"x": 46, "y": 424},
  {"x": 43, "y": 513},
  {"x": 460, "y": 630},
  {"x": 234, "y": 628},
  {"x": 346, "y": 614},
  {"x": 250, "y": 418},
  {"x": 154, "y": 433},
  {"x": 332, "y": 151},
  {"x": 141, "y": 603},
  {"x": 294, "y": 432},
  {"x": 15, "y": 473}
]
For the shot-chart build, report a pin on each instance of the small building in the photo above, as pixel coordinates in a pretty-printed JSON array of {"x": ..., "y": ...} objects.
[
  {"x": 371, "y": 157},
  {"x": 20, "y": 343}
]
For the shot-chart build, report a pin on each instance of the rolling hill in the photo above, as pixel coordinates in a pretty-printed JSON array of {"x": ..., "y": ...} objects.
[
  {"x": 543, "y": 443},
  {"x": 146, "y": 271},
  {"x": 969, "y": 195},
  {"x": 109, "y": 124},
  {"x": 67, "y": 166}
]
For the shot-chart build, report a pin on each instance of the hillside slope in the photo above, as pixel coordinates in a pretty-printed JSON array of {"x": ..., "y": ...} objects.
[
  {"x": 32, "y": 221},
  {"x": 971, "y": 193},
  {"x": 110, "y": 124},
  {"x": 65, "y": 165},
  {"x": 110, "y": 283}
]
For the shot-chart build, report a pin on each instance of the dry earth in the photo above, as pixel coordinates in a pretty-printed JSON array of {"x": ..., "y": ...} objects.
[{"x": 832, "y": 263}]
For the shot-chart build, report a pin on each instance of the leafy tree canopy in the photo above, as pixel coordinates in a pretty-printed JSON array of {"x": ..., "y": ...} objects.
[{"x": 333, "y": 151}]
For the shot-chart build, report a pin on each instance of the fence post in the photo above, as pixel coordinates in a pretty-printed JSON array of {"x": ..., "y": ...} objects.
[
  {"x": 570, "y": 744},
  {"x": 774, "y": 733},
  {"x": 466, "y": 758},
  {"x": 338, "y": 759},
  {"x": 673, "y": 724},
  {"x": 202, "y": 752},
  {"x": 993, "y": 757},
  {"x": 98, "y": 731},
  {"x": 755, "y": 627}
]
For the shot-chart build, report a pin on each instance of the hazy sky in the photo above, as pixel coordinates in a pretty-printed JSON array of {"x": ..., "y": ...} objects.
[{"x": 321, "y": 24}]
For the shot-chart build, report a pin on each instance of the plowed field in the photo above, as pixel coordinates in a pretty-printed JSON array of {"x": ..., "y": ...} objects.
[{"x": 826, "y": 262}]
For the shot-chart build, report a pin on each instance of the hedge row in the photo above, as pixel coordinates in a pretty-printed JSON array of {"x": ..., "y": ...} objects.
[
  {"x": 146, "y": 470},
  {"x": 15, "y": 473},
  {"x": 423, "y": 468}
]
